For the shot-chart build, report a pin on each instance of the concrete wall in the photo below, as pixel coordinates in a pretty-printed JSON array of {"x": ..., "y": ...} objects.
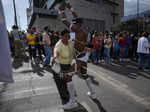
[
  {"x": 54, "y": 24},
  {"x": 99, "y": 12}
]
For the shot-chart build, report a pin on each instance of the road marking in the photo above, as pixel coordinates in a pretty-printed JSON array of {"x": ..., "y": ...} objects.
[
  {"x": 26, "y": 91},
  {"x": 86, "y": 106},
  {"x": 122, "y": 88},
  {"x": 145, "y": 74},
  {"x": 114, "y": 64},
  {"x": 29, "y": 93},
  {"x": 131, "y": 66}
]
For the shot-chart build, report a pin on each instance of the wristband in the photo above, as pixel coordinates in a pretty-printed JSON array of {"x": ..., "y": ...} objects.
[{"x": 72, "y": 9}]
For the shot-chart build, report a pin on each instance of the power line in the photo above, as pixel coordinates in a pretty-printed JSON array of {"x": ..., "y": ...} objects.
[{"x": 15, "y": 14}]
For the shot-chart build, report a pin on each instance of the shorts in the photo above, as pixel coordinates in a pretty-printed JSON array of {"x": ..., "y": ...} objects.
[
  {"x": 81, "y": 67},
  {"x": 66, "y": 70},
  {"x": 65, "y": 67}
]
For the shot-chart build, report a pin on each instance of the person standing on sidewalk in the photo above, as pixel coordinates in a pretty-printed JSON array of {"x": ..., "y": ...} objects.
[
  {"x": 46, "y": 42},
  {"x": 17, "y": 41},
  {"x": 31, "y": 44},
  {"x": 143, "y": 50},
  {"x": 107, "y": 48},
  {"x": 96, "y": 48}
]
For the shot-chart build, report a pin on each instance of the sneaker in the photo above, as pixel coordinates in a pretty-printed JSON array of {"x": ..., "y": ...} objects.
[
  {"x": 92, "y": 95},
  {"x": 70, "y": 105}
]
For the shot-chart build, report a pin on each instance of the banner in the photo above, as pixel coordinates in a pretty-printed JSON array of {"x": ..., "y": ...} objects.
[{"x": 5, "y": 58}]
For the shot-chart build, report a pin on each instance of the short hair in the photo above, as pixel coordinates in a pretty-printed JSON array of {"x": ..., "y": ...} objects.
[
  {"x": 46, "y": 28},
  {"x": 65, "y": 31},
  {"x": 145, "y": 34},
  {"x": 14, "y": 27}
]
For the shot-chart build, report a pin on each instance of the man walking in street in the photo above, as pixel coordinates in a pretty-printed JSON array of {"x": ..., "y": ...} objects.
[
  {"x": 143, "y": 50},
  {"x": 47, "y": 49},
  {"x": 63, "y": 52}
]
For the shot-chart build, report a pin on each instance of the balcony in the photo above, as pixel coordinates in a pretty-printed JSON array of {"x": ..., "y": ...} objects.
[
  {"x": 50, "y": 3},
  {"x": 114, "y": 14},
  {"x": 33, "y": 12},
  {"x": 111, "y": 2}
]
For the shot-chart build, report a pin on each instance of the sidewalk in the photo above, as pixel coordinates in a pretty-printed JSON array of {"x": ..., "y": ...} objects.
[
  {"x": 30, "y": 93},
  {"x": 34, "y": 90}
]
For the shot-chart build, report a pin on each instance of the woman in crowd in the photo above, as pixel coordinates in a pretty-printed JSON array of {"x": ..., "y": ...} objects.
[
  {"x": 107, "y": 48},
  {"x": 122, "y": 46},
  {"x": 96, "y": 48}
]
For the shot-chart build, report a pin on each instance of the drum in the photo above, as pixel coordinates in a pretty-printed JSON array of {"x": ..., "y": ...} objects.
[{"x": 56, "y": 68}]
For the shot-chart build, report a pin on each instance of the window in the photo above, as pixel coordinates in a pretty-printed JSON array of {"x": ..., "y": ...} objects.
[
  {"x": 114, "y": 19},
  {"x": 94, "y": 1}
]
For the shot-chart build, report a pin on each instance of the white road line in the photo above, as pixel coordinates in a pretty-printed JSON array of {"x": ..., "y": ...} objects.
[
  {"x": 146, "y": 74},
  {"x": 29, "y": 93},
  {"x": 29, "y": 90},
  {"x": 86, "y": 106},
  {"x": 122, "y": 88}
]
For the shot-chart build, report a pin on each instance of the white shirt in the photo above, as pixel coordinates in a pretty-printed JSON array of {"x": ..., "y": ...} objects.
[
  {"x": 143, "y": 46},
  {"x": 15, "y": 34},
  {"x": 46, "y": 39}
]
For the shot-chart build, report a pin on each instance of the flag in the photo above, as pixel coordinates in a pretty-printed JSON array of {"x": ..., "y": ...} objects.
[{"x": 5, "y": 58}]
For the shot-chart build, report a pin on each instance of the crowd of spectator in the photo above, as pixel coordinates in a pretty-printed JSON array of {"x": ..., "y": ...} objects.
[{"x": 106, "y": 46}]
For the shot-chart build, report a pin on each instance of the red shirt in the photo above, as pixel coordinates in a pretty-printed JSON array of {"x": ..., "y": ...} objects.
[
  {"x": 122, "y": 42},
  {"x": 96, "y": 44}
]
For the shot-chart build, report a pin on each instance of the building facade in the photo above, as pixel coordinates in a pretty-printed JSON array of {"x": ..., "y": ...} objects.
[{"x": 97, "y": 15}]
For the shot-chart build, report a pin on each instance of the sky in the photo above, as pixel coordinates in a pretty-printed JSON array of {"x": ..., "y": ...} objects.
[{"x": 21, "y": 5}]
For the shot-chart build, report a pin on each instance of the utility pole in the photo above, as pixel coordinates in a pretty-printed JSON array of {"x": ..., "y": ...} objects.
[
  {"x": 138, "y": 7},
  {"x": 15, "y": 16}
]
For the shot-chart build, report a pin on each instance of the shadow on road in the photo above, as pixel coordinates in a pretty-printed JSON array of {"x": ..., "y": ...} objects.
[
  {"x": 37, "y": 69},
  {"x": 94, "y": 81},
  {"x": 98, "y": 103},
  {"x": 18, "y": 62},
  {"x": 127, "y": 69}
]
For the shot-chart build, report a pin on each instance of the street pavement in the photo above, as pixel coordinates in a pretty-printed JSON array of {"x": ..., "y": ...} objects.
[{"x": 119, "y": 87}]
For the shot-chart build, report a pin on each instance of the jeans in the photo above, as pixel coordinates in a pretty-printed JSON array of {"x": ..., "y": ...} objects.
[
  {"x": 122, "y": 52},
  {"x": 107, "y": 54},
  {"x": 115, "y": 53},
  {"x": 39, "y": 49},
  {"x": 48, "y": 55},
  {"x": 32, "y": 51},
  {"x": 96, "y": 55},
  {"x": 148, "y": 60},
  {"x": 126, "y": 53},
  {"x": 142, "y": 58}
]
